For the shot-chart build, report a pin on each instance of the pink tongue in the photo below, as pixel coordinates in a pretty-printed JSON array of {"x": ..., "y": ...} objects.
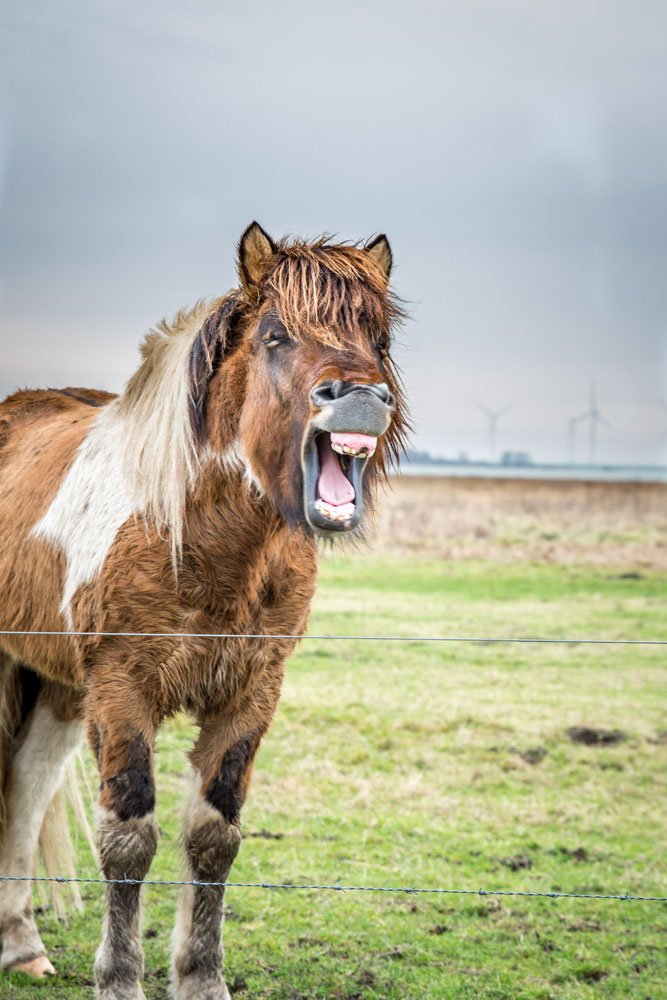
[
  {"x": 332, "y": 485},
  {"x": 356, "y": 441}
]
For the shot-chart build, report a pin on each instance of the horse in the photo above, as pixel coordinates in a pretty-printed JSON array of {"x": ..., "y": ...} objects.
[{"x": 160, "y": 547}]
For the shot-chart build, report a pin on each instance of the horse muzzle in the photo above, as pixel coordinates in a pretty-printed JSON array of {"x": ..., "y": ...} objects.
[{"x": 339, "y": 440}]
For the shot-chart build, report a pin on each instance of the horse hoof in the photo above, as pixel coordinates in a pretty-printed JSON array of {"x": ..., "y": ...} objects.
[{"x": 37, "y": 967}]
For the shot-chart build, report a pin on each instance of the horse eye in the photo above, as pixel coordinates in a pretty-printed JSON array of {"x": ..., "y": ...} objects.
[{"x": 273, "y": 341}]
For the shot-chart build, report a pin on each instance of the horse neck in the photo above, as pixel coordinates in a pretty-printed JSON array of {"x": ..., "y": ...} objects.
[{"x": 228, "y": 520}]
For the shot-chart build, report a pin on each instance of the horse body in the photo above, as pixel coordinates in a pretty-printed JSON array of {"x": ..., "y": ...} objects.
[{"x": 190, "y": 504}]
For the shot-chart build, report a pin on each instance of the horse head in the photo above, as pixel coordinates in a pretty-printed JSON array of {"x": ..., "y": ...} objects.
[{"x": 291, "y": 376}]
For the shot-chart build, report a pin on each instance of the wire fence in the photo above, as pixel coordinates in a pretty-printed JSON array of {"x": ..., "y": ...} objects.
[
  {"x": 338, "y": 887},
  {"x": 372, "y": 638}
]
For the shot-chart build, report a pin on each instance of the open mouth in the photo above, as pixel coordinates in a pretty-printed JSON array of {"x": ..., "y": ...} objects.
[{"x": 333, "y": 470}]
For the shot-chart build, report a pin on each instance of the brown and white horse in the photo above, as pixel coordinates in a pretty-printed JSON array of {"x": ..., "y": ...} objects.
[{"x": 189, "y": 504}]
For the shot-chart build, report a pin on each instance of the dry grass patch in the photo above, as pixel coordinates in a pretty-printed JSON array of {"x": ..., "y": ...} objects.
[{"x": 510, "y": 520}]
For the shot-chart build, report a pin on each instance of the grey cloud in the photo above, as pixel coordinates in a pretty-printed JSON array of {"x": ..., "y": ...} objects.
[{"x": 515, "y": 155}]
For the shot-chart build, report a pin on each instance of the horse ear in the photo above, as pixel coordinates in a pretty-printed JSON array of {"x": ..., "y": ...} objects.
[
  {"x": 256, "y": 251},
  {"x": 380, "y": 251}
]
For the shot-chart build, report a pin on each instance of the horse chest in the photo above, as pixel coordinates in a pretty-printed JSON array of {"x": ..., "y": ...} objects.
[
  {"x": 252, "y": 584},
  {"x": 255, "y": 620}
]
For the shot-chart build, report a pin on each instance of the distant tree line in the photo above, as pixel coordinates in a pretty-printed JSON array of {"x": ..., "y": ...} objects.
[{"x": 511, "y": 458}]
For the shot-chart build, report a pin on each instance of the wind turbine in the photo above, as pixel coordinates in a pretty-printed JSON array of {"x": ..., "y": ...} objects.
[
  {"x": 493, "y": 418},
  {"x": 595, "y": 418},
  {"x": 571, "y": 438}
]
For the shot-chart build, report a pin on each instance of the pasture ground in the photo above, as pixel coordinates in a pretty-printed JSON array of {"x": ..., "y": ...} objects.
[{"x": 439, "y": 765}]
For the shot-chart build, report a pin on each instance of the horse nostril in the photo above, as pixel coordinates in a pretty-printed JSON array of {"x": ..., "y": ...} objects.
[
  {"x": 336, "y": 388},
  {"x": 323, "y": 393},
  {"x": 381, "y": 390}
]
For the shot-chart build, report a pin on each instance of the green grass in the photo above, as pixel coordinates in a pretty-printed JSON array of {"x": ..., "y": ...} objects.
[{"x": 409, "y": 765}]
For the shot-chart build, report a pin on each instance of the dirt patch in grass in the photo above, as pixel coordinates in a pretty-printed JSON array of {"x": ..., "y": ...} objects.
[
  {"x": 579, "y": 854},
  {"x": 517, "y": 863},
  {"x": 593, "y": 975},
  {"x": 263, "y": 834},
  {"x": 592, "y": 737},
  {"x": 534, "y": 755}
]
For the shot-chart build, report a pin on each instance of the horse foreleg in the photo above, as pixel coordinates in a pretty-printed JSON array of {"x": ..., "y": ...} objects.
[
  {"x": 128, "y": 837},
  {"x": 36, "y": 771},
  {"x": 212, "y": 839}
]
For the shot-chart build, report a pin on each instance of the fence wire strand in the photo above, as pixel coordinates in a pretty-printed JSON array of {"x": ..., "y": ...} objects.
[
  {"x": 409, "y": 890},
  {"x": 372, "y": 638},
  {"x": 338, "y": 887}
]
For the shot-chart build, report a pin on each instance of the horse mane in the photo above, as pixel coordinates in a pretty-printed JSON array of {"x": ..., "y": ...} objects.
[
  {"x": 334, "y": 293},
  {"x": 161, "y": 459}
]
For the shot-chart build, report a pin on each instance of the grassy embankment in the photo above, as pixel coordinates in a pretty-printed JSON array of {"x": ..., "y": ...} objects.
[{"x": 438, "y": 765}]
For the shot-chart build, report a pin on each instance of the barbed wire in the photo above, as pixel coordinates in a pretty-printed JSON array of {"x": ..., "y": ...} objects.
[
  {"x": 372, "y": 638},
  {"x": 336, "y": 887}
]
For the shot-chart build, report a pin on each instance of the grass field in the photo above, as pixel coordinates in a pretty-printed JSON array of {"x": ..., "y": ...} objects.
[{"x": 438, "y": 765}]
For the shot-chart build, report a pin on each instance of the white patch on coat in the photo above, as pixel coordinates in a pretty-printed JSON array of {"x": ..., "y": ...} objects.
[
  {"x": 198, "y": 813},
  {"x": 93, "y": 501},
  {"x": 180, "y": 937},
  {"x": 36, "y": 773},
  {"x": 139, "y": 457}
]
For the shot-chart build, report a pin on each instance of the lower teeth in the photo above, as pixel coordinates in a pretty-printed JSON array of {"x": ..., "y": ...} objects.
[{"x": 330, "y": 515}]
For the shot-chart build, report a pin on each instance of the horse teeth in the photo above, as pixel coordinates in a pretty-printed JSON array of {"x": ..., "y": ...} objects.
[
  {"x": 331, "y": 515},
  {"x": 348, "y": 450}
]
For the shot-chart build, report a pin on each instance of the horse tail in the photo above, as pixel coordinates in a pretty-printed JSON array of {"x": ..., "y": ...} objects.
[{"x": 58, "y": 853}]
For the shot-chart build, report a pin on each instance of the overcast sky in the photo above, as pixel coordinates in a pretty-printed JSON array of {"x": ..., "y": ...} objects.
[{"x": 514, "y": 152}]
